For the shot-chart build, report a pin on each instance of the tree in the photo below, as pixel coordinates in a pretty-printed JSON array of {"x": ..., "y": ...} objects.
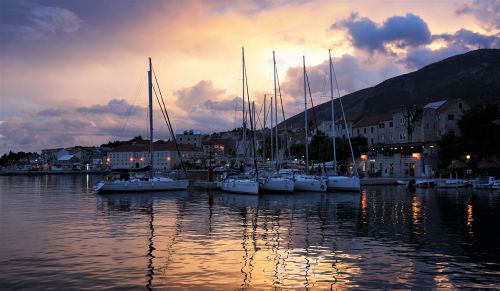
[
  {"x": 481, "y": 131},
  {"x": 480, "y": 136}
]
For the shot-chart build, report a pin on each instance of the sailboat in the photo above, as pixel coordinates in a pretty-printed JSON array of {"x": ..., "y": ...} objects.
[
  {"x": 336, "y": 182},
  {"x": 242, "y": 184},
  {"x": 272, "y": 181},
  {"x": 144, "y": 184},
  {"x": 306, "y": 182}
]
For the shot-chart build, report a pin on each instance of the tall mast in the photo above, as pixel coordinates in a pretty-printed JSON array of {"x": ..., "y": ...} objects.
[
  {"x": 264, "y": 131},
  {"x": 272, "y": 150},
  {"x": 254, "y": 122},
  {"x": 333, "y": 114},
  {"x": 345, "y": 120},
  {"x": 305, "y": 115},
  {"x": 243, "y": 108},
  {"x": 275, "y": 108},
  {"x": 150, "y": 91}
]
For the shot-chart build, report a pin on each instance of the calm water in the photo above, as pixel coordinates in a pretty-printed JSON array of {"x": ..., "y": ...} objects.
[{"x": 57, "y": 234}]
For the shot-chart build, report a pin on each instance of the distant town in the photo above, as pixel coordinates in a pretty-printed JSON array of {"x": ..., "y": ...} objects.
[{"x": 446, "y": 137}]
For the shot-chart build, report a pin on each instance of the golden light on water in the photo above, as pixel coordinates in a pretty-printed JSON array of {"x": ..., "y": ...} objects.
[{"x": 470, "y": 218}]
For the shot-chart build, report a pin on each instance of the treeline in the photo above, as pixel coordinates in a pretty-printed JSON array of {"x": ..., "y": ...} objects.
[
  {"x": 12, "y": 158},
  {"x": 116, "y": 143}
]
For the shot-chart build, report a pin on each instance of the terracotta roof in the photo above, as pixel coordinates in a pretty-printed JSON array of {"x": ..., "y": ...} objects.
[
  {"x": 370, "y": 120},
  {"x": 164, "y": 146}
]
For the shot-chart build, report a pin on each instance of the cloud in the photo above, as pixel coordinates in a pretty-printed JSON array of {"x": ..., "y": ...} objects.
[
  {"x": 52, "y": 112},
  {"x": 353, "y": 73},
  {"x": 470, "y": 40},
  {"x": 204, "y": 95},
  {"x": 114, "y": 106},
  {"x": 485, "y": 11},
  {"x": 41, "y": 22},
  {"x": 203, "y": 91},
  {"x": 457, "y": 43},
  {"x": 401, "y": 31},
  {"x": 420, "y": 57},
  {"x": 224, "y": 105}
]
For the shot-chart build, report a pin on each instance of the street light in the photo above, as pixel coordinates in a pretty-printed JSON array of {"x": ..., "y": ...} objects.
[{"x": 467, "y": 157}]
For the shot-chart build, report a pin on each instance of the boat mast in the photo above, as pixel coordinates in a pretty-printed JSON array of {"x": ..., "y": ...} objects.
[
  {"x": 305, "y": 115},
  {"x": 264, "y": 132},
  {"x": 275, "y": 109},
  {"x": 243, "y": 108},
  {"x": 345, "y": 120},
  {"x": 150, "y": 91},
  {"x": 333, "y": 114},
  {"x": 272, "y": 149}
]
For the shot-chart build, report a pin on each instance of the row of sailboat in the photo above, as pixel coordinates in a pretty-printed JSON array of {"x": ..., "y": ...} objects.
[
  {"x": 287, "y": 180},
  {"x": 277, "y": 180}
]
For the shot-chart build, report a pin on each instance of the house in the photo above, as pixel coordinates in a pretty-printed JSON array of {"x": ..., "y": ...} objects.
[
  {"x": 377, "y": 129},
  {"x": 67, "y": 163}
]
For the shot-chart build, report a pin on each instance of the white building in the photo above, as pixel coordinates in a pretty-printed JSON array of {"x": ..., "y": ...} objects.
[
  {"x": 412, "y": 125},
  {"x": 190, "y": 137},
  {"x": 165, "y": 156}
]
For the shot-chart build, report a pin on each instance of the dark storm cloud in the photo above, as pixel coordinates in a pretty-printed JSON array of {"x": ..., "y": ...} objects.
[
  {"x": 401, "y": 31},
  {"x": 469, "y": 39}
]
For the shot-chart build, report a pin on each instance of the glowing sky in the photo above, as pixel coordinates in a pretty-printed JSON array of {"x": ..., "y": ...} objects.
[{"x": 74, "y": 72}]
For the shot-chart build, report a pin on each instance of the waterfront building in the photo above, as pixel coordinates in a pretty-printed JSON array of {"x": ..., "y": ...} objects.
[
  {"x": 189, "y": 137},
  {"x": 165, "y": 156}
]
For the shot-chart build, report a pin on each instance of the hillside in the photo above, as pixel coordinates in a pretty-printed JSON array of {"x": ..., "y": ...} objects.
[{"x": 473, "y": 77}]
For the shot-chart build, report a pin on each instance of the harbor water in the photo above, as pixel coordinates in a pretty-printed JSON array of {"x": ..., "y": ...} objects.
[{"x": 55, "y": 233}]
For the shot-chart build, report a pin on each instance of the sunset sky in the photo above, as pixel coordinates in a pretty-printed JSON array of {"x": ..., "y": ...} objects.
[{"x": 74, "y": 72}]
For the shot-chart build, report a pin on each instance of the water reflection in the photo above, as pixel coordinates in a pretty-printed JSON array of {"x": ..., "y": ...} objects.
[{"x": 380, "y": 238}]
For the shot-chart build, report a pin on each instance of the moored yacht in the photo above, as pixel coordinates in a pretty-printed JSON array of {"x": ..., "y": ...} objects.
[
  {"x": 484, "y": 182},
  {"x": 240, "y": 185},
  {"x": 141, "y": 185},
  {"x": 345, "y": 183},
  {"x": 276, "y": 184},
  {"x": 304, "y": 182},
  {"x": 453, "y": 183},
  {"x": 336, "y": 182},
  {"x": 145, "y": 184}
]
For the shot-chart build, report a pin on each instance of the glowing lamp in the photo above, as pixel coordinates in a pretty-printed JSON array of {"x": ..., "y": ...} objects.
[{"x": 467, "y": 157}]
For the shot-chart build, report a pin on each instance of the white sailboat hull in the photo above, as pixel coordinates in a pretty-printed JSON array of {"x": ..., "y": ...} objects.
[
  {"x": 243, "y": 186},
  {"x": 344, "y": 183},
  {"x": 309, "y": 183},
  {"x": 275, "y": 184},
  {"x": 452, "y": 183},
  {"x": 136, "y": 185}
]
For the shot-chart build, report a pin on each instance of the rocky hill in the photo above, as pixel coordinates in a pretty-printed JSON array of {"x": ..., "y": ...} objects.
[{"x": 473, "y": 77}]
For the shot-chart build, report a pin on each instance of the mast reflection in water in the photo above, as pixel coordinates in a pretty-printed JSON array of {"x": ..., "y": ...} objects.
[{"x": 57, "y": 234}]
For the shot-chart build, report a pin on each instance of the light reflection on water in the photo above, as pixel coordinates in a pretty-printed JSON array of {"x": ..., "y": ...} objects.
[{"x": 55, "y": 233}]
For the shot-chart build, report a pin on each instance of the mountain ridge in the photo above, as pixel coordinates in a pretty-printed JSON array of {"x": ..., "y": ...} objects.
[{"x": 473, "y": 76}]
